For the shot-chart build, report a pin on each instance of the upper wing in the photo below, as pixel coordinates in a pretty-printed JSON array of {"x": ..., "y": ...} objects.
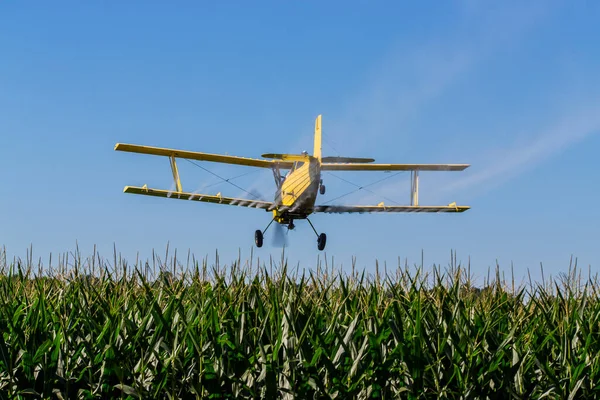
[
  {"x": 265, "y": 205},
  {"x": 194, "y": 155},
  {"x": 382, "y": 208},
  {"x": 392, "y": 167}
]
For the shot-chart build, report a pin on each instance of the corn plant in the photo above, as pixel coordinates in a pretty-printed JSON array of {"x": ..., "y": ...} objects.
[{"x": 99, "y": 328}]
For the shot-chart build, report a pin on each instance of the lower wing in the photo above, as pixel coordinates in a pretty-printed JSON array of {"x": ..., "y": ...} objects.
[
  {"x": 265, "y": 205},
  {"x": 383, "y": 208}
]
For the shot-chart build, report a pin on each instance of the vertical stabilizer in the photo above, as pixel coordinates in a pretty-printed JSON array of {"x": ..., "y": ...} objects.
[{"x": 317, "y": 150}]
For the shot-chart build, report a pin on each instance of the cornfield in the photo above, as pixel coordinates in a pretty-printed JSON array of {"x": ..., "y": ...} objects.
[{"x": 96, "y": 328}]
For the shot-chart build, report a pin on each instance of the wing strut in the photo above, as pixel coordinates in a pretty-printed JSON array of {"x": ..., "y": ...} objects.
[
  {"x": 175, "y": 174},
  {"x": 414, "y": 195}
]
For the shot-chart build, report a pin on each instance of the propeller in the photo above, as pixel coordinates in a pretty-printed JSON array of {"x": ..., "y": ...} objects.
[
  {"x": 257, "y": 195},
  {"x": 280, "y": 233},
  {"x": 279, "y": 236}
]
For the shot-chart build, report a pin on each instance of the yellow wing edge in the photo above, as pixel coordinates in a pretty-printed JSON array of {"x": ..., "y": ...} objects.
[
  {"x": 393, "y": 167},
  {"x": 218, "y": 199},
  {"x": 333, "y": 209},
  {"x": 195, "y": 155}
]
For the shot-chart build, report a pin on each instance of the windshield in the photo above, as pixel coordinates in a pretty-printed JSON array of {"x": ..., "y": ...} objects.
[{"x": 297, "y": 164}]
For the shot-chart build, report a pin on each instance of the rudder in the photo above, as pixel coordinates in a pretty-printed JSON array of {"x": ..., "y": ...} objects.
[{"x": 317, "y": 149}]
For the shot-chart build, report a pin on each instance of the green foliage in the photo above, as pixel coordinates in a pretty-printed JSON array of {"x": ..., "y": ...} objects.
[{"x": 90, "y": 330}]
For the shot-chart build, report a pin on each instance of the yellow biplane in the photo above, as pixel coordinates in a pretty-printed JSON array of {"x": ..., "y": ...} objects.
[{"x": 297, "y": 190}]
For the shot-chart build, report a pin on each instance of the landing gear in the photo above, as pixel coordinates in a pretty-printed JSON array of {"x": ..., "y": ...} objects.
[
  {"x": 321, "y": 187},
  {"x": 259, "y": 235},
  {"x": 321, "y": 241},
  {"x": 258, "y": 238}
]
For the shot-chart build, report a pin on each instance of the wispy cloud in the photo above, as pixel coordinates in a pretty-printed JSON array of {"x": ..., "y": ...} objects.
[
  {"x": 410, "y": 77},
  {"x": 505, "y": 164},
  {"x": 402, "y": 84},
  {"x": 493, "y": 167}
]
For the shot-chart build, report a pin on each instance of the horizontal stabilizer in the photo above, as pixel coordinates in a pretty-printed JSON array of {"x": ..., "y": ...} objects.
[
  {"x": 287, "y": 157},
  {"x": 393, "y": 167},
  {"x": 194, "y": 155},
  {"x": 265, "y": 205},
  {"x": 352, "y": 160},
  {"x": 387, "y": 209},
  {"x": 302, "y": 157}
]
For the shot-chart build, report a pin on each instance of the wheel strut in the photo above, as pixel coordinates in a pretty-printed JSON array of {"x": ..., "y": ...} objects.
[
  {"x": 268, "y": 226},
  {"x": 313, "y": 227}
]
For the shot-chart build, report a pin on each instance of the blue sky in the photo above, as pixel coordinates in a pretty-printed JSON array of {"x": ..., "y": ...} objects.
[{"x": 510, "y": 87}]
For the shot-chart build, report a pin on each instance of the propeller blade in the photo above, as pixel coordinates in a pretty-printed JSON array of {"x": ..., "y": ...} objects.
[{"x": 257, "y": 195}]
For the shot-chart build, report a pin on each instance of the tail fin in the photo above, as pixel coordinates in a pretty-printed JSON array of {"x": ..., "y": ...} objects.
[{"x": 317, "y": 150}]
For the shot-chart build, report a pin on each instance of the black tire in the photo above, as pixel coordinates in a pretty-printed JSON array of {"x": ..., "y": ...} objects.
[
  {"x": 322, "y": 189},
  {"x": 321, "y": 241},
  {"x": 258, "y": 238}
]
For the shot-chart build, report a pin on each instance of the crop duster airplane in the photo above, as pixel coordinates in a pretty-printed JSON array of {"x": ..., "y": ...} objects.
[{"x": 297, "y": 190}]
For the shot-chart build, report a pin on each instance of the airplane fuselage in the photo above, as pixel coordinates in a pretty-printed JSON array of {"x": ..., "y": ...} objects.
[{"x": 297, "y": 192}]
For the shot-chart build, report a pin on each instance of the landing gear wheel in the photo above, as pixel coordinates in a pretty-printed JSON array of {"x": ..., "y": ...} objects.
[
  {"x": 258, "y": 238},
  {"x": 321, "y": 241},
  {"x": 322, "y": 189}
]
